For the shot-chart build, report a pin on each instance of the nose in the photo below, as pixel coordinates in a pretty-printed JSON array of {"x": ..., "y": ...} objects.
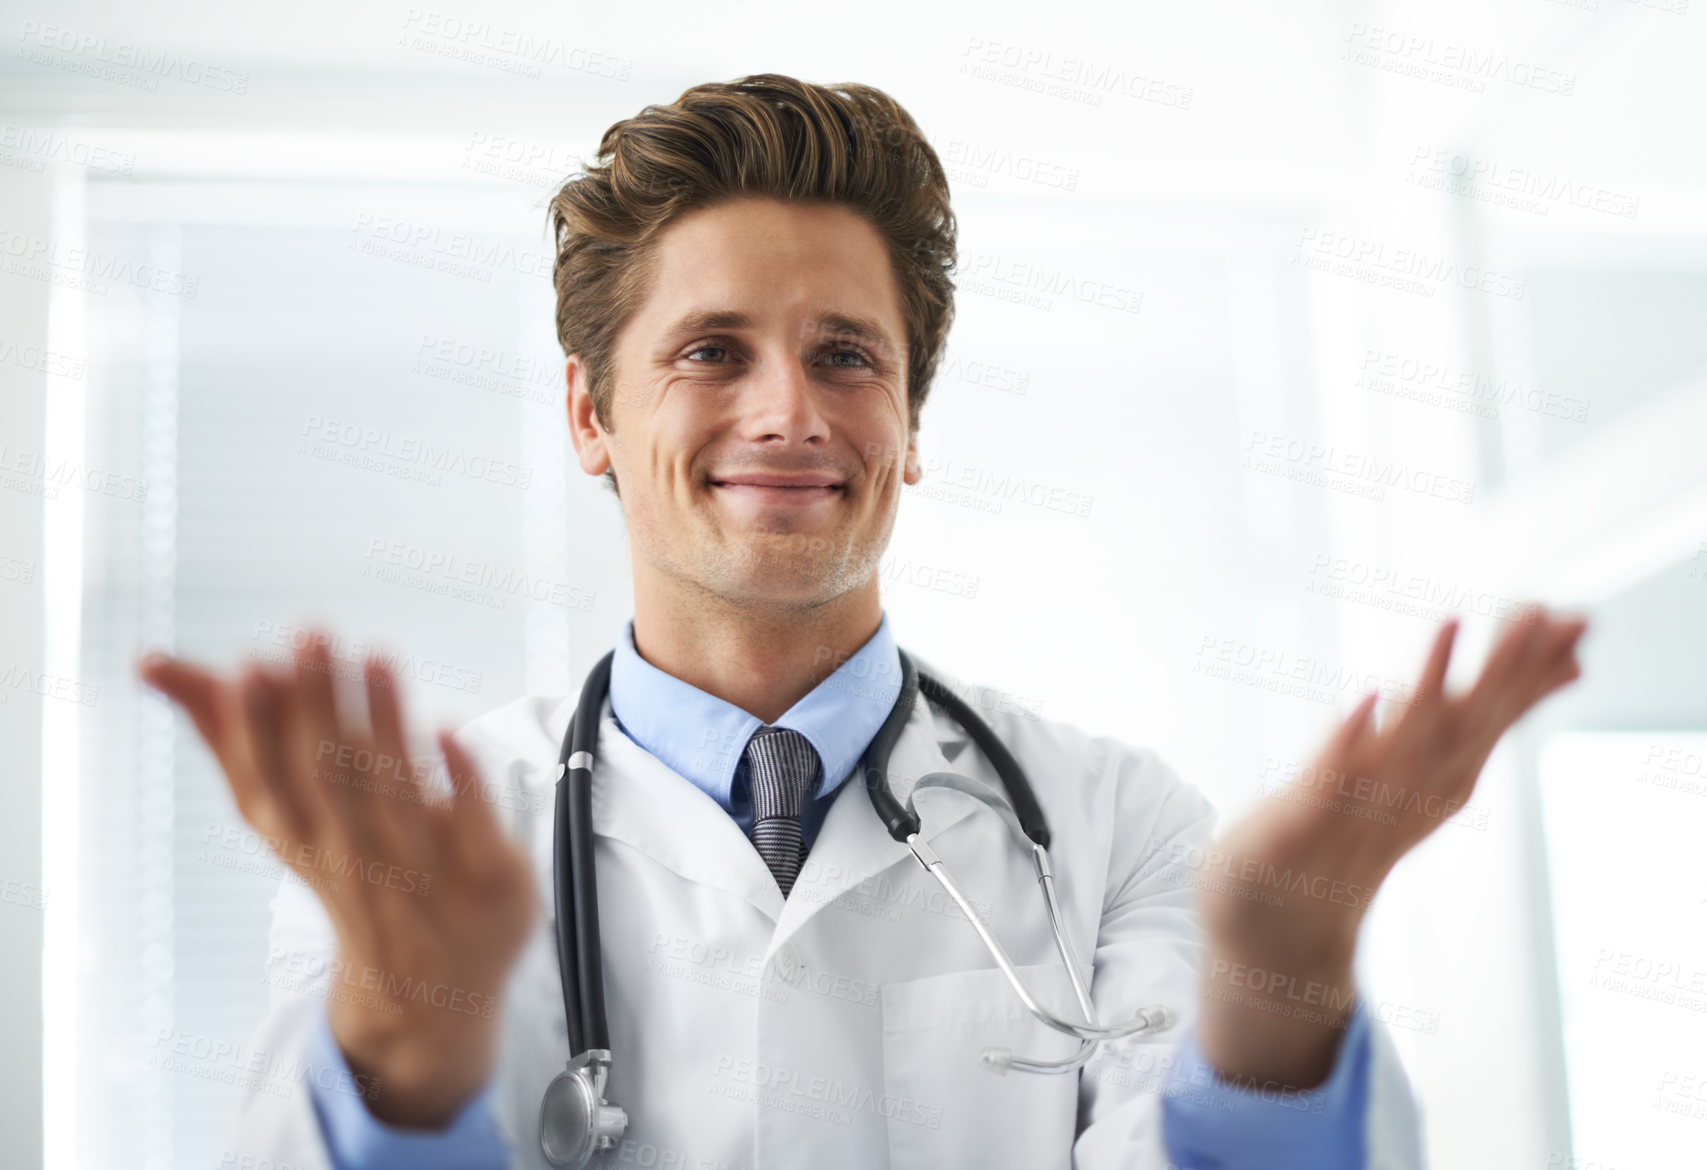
[{"x": 780, "y": 403}]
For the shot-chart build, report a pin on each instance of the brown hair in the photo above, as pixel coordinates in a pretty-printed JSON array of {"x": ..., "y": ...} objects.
[{"x": 764, "y": 134}]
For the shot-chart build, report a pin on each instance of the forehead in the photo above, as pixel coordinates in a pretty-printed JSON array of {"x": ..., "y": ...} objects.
[{"x": 761, "y": 258}]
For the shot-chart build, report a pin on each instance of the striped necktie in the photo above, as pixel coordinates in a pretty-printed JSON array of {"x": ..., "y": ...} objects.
[{"x": 782, "y": 767}]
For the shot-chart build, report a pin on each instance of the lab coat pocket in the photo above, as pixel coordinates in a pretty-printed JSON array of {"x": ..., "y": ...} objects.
[{"x": 944, "y": 1109}]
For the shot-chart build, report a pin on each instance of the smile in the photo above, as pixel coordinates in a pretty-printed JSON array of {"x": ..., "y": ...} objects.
[{"x": 779, "y": 495}]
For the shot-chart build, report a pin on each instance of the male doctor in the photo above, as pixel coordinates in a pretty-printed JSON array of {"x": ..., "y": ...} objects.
[{"x": 753, "y": 294}]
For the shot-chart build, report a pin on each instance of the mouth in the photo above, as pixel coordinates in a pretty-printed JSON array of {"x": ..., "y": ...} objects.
[{"x": 784, "y": 490}]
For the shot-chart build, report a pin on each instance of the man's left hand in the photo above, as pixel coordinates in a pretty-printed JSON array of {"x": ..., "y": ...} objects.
[{"x": 1294, "y": 879}]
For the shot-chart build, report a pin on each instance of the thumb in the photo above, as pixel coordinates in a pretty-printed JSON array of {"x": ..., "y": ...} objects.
[{"x": 192, "y": 687}]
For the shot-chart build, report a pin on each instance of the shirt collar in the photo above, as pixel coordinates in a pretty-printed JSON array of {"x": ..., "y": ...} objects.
[{"x": 702, "y": 737}]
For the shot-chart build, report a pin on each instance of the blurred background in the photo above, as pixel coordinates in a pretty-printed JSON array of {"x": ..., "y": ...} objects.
[{"x": 1283, "y": 333}]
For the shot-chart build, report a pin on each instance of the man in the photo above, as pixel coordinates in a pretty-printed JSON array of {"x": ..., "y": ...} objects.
[{"x": 753, "y": 293}]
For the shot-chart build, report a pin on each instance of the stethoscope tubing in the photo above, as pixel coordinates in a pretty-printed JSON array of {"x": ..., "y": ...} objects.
[{"x": 579, "y": 952}]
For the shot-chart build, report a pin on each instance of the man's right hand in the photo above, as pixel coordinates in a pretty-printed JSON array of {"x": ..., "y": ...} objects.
[{"x": 430, "y": 901}]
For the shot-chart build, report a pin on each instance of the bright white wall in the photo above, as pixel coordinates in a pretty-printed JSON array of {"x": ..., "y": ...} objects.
[{"x": 1265, "y": 139}]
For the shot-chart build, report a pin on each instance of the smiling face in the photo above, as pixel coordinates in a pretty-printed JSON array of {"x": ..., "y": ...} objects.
[{"x": 759, "y": 424}]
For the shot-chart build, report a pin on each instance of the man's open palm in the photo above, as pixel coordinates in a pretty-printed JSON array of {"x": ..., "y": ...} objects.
[
  {"x": 430, "y": 901},
  {"x": 1369, "y": 797}
]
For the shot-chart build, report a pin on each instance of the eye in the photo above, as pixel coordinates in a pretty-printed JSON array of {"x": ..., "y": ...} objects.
[
  {"x": 858, "y": 354},
  {"x": 709, "y": 345}
]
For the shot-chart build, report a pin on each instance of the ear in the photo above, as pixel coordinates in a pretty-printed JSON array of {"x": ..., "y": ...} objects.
[
  {"x": 584, "y": 429},
  {"x": 912, "y": 473}
]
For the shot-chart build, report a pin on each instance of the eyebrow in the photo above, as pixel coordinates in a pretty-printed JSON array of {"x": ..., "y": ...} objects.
[{"x": 833, "y": 323}]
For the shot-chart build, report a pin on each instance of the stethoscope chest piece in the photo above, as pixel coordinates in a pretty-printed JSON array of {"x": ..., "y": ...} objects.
[{"x": 575, "y": 1122}]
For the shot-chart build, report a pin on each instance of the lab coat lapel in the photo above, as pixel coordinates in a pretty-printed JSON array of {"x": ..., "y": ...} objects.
[
  {"x": 853, "y": 844},
  {"x": 639, "y": 800}
]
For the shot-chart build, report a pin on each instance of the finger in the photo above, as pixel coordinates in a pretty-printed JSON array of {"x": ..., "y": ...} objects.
[
  {"x": 1551, "y": 648},
  {"x": 1420, "y": 721},
  {"x": 321, "y": 745},
  {"x": 1562, "y": 642},
  {"x": 1566, "y": 672},
  {"x": 398, "y": 818},
  {"x": 384, "y": 707},
  {"x": 1433, "y": 681},
  {"x": 475, "y": 838},
  {"x": 262, "y": 731},
  {"x": 1357, "y": 728},
  {"x": 314, "y": 687},
  {"x": 319, "y": 733},
  {"x": 319, "y": 738},
  {"x": 343, "y": 771},
  {"x": 1489, "y": 696},
  {"x": 1543, "y": 667},
  {"x": 1565, "y": 669},
  {"x": 194, "y": 689},
  {"x": 327, "y": 833},
  {"x": 215, "y": 705}
]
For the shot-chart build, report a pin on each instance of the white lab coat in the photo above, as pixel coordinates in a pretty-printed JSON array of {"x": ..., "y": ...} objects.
[{"x": 841, "y": 1027}]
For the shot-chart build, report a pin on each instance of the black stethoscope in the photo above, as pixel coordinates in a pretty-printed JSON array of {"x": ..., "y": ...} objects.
[{"x": 575, "y": 1120}]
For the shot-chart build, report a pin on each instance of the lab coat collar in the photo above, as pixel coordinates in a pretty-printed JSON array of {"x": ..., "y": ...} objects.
[
  {"x": 638, "y": 800},
  {"x": 854, "y": 845}
]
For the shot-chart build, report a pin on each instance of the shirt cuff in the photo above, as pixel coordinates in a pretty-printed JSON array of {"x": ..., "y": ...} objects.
[
  {"x": 1211, "y": 1124},
  {"x": 357, "y": 1140}
]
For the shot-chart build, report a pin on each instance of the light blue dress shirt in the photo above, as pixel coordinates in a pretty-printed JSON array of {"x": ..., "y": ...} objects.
[
  {"x": 703, "y": 738},
  {"x": 1207, "y": 1125}
]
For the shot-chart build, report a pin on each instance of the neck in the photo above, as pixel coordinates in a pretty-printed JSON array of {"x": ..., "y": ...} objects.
[{"x": 763, "y": 659}]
